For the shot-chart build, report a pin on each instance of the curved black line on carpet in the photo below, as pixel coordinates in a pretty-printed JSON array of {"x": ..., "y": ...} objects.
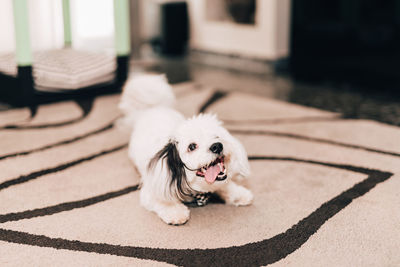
[
  {"x": 85, "y": 105},
  {"x": 83, "y": 203},
  {"x": 25, "y": 178},
  {"x": 283, "y": 120},
  {"x": 61, "y": 143},
  {"x": 196, "y": 88},
  {"x": 66, "y": 206},
  {"x": 312, "y": 139},
  {"x": 42, "y": 126},
  {"x": 33, "y": 111},
  {"x": 253, "y": 254},
  {"x": 218, "y": 95}
]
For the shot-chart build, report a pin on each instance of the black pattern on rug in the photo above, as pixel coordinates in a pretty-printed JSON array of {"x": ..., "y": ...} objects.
[
  {"x": 85, "y": 106},
  {"x": 253, "y": 254},
  {"x": 264, "y": 252}
]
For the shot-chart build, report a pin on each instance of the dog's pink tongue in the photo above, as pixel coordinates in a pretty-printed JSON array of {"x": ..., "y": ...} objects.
[{"x": 212, "y": 173}]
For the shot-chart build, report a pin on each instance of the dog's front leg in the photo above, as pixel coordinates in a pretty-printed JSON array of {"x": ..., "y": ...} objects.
[
  {"x": 235, "y": 194},
  {"x": 174, "y": 213},
  {"x": 171, "y": 212}
]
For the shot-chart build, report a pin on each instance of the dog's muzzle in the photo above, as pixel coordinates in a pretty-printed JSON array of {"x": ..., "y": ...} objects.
[{"x": 215, "y": 171}]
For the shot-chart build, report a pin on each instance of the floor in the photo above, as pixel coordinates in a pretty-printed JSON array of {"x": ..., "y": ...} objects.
[
  {"x": 259, "y": 78},
  {"x": 322, "y": 187}
]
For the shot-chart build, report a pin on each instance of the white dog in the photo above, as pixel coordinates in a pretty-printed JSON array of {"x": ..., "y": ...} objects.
[{"x": 179, "y": 159}]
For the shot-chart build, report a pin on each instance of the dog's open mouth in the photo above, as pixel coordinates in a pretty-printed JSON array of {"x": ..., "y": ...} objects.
[{"x": 215, "y": 171}]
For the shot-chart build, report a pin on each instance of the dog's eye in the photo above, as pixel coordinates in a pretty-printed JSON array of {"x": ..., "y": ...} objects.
[{"x": 192, "y": 147}]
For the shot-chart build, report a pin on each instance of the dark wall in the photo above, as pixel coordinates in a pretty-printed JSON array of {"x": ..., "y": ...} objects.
[{"x": 348, "y": 40}]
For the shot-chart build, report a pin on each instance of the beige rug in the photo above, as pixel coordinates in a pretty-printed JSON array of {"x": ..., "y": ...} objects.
[{"x": 326, "y": 190}]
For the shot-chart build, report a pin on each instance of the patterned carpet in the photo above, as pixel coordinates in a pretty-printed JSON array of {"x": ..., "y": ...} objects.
[{"x": 326, "y": 189}]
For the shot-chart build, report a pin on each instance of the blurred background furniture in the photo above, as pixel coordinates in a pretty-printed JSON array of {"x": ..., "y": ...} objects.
[
  {"x": 174, "y": 28},
  {"x": 30, "y": 78}
]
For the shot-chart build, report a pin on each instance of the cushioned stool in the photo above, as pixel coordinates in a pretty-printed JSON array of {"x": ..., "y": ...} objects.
[{"x": 28, "y": 78}]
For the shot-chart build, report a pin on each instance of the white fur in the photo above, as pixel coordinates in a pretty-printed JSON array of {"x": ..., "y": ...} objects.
[
  {"x": 141, "y": 93},
  {"x": 147, "y": 105}
]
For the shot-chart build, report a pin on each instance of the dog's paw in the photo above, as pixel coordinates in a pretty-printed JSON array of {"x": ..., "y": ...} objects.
[
  {"x": 240, "y": 197},
  {"x": 175, "y": 215}
]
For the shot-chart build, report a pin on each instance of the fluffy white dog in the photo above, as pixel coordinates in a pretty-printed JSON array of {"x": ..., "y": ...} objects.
[{"x": 179, "y": 159}]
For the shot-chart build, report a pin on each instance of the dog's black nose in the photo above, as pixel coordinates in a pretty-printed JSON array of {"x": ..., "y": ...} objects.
[{"x": 216, "y": 148}]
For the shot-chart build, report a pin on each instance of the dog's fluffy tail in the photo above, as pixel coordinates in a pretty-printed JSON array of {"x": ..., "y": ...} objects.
[{"x": 143, "y": 92}]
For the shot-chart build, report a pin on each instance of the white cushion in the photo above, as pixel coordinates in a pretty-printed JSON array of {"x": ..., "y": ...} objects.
[{"x": 65, "y": 69}]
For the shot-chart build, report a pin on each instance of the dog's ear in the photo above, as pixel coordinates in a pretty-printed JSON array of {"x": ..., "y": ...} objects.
[
  {"x": 239, "y": 159},
  {"x": 175, "y": 168}
]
